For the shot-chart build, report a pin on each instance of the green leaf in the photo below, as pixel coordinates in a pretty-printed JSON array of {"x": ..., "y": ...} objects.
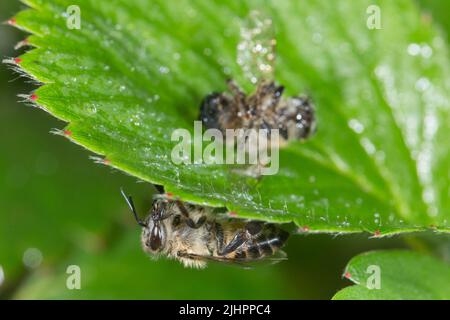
[
  {"x": 137, "y": 70},
  {"x": 403, "y": 275}
]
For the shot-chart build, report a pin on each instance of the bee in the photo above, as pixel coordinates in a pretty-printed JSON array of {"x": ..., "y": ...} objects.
[
  {"x": 265, "y": 108},
  {"x": 294, "y": 117},
  {"x": 193, "y": 235}
]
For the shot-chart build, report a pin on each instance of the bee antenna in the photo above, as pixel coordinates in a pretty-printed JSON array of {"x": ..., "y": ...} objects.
[{"x": 130, "y": 203}]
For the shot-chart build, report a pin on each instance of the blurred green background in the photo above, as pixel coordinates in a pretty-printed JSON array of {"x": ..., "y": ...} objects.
[{"x": 59, "y": 208}]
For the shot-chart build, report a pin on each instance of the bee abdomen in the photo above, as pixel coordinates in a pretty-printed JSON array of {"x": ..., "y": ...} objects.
[
  {"x": 275, "y": 236},
  {"x": 266, "y": 243}
]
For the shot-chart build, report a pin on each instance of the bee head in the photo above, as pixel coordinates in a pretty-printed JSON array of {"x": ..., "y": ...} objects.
[{"x": 153, "y": 232}]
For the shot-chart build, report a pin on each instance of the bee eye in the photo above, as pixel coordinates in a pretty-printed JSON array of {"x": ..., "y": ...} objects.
[{"x": 156, "y": 238}]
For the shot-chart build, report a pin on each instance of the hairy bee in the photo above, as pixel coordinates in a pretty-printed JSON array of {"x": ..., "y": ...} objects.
[
  {"x": 294, "y": 117},
  {"x": 192, "y": 235}
]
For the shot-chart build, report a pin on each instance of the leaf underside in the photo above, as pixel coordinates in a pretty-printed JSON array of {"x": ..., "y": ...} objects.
[{"x": 137, "y": 70}]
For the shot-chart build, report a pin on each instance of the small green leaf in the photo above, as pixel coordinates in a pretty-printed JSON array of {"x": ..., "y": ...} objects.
[
  {"x": 402, "y": 275},
  {"x": 137, "y": 70}
]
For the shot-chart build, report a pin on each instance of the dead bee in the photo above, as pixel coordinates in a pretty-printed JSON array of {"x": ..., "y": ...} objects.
[
  {"x": 192, "y": 235},
  {"x": 294, "y": 117},
  {"x": 265, "y": 109}
]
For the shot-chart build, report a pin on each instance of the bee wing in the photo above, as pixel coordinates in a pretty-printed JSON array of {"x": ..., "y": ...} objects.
[
  {"x": 264, "y": 261},
  {"x": 241, "y": 262},
  {"x": 256, "y": 49}
]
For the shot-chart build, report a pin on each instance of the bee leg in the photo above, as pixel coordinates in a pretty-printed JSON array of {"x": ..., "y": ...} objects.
[
  {"x": 238, "y": 95},
  {"x": 189, "y": 221},
  {"x": 268, "y": 93},
  {"x": 234, "y": 88},
  {"x": 239, "y": 239},
  {"x": 278, "y": 91},
  {"x": 252, "y": 229},
  {"x": 274, "y": 92}
]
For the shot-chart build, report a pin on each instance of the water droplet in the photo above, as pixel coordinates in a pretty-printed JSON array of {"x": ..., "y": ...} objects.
[
  {"x": 122, "y": 88},
  {"x": 356, "y": 126},
  {"x": 164, "y": 70},
  {"x": 413, "y": 49},
  {"x": 426, "y": 51},
  {"x": 422, "y": 84},
  {"x": 312, "y": 179},
  {"x": 91, "y": 108},
  {"x": 136, "y": 120},
  {"x": 32, "y": 258},
  {"x": 428, "y": 195},
  {"x": 380, "y": 156},
  {"x": 207, "y": 51},
  {"x": 368, "y": 146}
]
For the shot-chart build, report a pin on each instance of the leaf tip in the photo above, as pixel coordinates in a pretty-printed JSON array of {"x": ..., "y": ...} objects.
[
  {"x": 99, "y": 160},
  {"x": 376, "y": 234},
  {"x": 25, "y": 42},
  {"x": 12, "y": 22},
  {"x": 303, "y": 229},
  {"x": 232, "y": 214}
]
